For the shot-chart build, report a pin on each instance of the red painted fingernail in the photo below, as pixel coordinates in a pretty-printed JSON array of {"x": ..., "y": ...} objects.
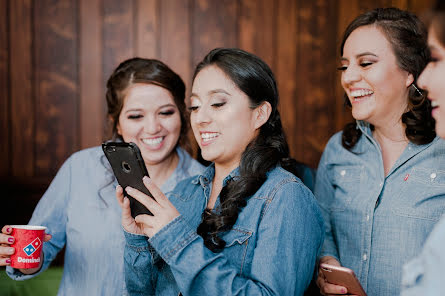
[
  {"x": 343, "y": 291},
  {"x": 8, "y": 260},
  {"x": 8, "y": 229},
  {"x": 11, "y": 240}
]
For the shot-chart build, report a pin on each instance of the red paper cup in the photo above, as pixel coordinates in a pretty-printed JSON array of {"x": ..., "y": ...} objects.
[{"x": 28, "y": 241}]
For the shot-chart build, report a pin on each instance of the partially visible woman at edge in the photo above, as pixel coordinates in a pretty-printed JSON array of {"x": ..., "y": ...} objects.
[
  {"x": 424, "y": 275},
  {"x": 380, "y": 181},
  {"x": 146, "y": 106},
  {"x": 246, "y": 225}
]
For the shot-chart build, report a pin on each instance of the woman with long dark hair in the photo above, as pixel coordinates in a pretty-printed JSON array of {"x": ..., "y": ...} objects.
[
  {"x": 246, "y": 225},
  {"x": 380, "y": 181},
  {"x": 424, "y": 274}
]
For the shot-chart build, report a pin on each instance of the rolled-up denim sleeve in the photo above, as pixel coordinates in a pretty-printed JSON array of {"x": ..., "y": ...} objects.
[
  {"x": 51, "y": 212},
  {"x": 290, "y": 236},
  {"x": 138, "y": 265},
  {"x": 325, "y": 195}
]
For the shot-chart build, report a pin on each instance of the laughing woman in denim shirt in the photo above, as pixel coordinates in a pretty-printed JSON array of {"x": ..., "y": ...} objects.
[
  {"x": 381, "y": 181},
  {"x": 146, "y": 106},
  {"x": 424, "y": 275},
  {"x": 246, "y": 225}
]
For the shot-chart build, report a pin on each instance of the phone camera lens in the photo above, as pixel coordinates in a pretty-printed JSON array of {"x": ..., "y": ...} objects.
[{"x": 110, "y": 149}]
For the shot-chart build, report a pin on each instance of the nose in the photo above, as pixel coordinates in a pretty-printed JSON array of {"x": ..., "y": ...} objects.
[
  {"x": 350, "y": 75},
  {"x": 422, "y": 81},
  {"x": 201, "y": 116},
  {"x": 152, "y": 125}
]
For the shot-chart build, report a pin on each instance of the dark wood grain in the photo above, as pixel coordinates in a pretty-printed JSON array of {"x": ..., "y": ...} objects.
[
  {"x": 22, "y": 98},
  {"x": 214, "y": 25},
  {"x": 174, "y": 34},
  {"x": 91, "y": 90},
  {"x": 147, "y": 18},
  {"x": 56, "y": 81},
  {"x": 286, "y": 69},
  {"x": 5, "y": 111},
  {"x": 257, "y": 29},
  {"x": 118, "y": 34},
  {"x": 315, "y": 78}
]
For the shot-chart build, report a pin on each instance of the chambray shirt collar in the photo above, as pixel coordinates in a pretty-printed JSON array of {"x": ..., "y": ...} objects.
[
  {"x": 206, "y": 177},
  {"x": 410, "y": 151}
]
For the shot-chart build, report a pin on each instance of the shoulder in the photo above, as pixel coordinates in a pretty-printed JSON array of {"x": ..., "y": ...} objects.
[
  {"x": 91, "y": 159},
  {"x": 283, "y": 190},
  {"x": 283, "y": 184}
]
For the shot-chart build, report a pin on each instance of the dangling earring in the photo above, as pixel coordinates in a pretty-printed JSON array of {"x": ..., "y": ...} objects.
[{"x": 417, "y": 89}]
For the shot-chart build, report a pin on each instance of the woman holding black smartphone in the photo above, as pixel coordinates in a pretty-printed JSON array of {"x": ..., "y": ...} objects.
[
  {"x": 246, "y": 225},
  {"x": 146, "y": 106}
]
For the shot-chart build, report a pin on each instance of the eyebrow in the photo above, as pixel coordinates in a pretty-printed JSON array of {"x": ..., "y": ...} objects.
[
  {"x": 361, "y": 55},
  {"x": 214, "y": 91}
]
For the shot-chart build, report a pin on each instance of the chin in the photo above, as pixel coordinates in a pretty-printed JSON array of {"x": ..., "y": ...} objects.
[{"x": 440, "y": 128}]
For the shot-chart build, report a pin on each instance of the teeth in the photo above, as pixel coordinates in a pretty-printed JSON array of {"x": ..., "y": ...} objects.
[
  {"x": 361, "y": 93},
  {"x": 434, "y": 104},
  {"x": 208, "y": 136},
  {"x": 154, "y": 141}
]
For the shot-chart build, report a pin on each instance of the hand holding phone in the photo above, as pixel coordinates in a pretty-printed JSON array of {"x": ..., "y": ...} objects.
[
  {"x": 342, "y": 276},
  {"x": 129, "y": 168}
]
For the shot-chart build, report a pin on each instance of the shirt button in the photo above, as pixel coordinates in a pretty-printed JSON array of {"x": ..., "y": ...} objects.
[
  {"x": 433, "y": 175},
  {"x": 409, "y": 147},
  {"x": 365, "y": 257},
  {"x": 343, "y": 172},
  {"x": 381, "y": 184},
  {"x": 367, "y": 217}
]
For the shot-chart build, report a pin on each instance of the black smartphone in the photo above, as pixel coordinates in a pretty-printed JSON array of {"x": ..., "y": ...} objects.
[{"x": 129, "y": 168}]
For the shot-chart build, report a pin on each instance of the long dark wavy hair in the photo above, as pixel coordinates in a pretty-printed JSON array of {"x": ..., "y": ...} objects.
[
  {"x": 407, "y": 36},
  {"x": 269, "y": 149},
  {"x": 148, "y": 71}
]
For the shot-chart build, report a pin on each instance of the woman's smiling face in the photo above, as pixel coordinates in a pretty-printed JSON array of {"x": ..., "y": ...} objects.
[
  {"x": 376, "y": 86},
  {"x": 222, "y": 120},
  {"x": 150, "y": 119}
]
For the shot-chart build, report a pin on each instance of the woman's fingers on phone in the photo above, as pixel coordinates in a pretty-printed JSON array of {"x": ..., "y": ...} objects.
[
  {"x": 147, "y": 201},
  {"x": 158, "y": 195},
  {"x": 331, "y": 289},
  {"x": 120, "y": 195}
]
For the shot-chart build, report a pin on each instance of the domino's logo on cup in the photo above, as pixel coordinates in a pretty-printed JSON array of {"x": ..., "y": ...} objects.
[
  {"x": 27, "y": 244},
  {"x": 32, "y": 247}
]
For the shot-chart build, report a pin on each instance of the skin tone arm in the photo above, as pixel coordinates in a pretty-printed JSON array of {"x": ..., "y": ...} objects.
[{"x": 6, "y": 250}]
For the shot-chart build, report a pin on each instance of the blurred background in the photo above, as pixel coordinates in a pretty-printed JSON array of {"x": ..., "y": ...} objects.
[{"x": 55, "y": 57}]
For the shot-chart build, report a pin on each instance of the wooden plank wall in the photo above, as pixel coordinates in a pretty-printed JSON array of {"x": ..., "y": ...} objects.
[{"x": 55, "y": 57}]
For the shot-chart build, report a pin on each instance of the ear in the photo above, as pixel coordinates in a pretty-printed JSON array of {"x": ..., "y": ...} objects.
[
  {"x": 262, "y": 114},
  {"x": 118, "y": 128},
  {"x": 409, "y": 79}
]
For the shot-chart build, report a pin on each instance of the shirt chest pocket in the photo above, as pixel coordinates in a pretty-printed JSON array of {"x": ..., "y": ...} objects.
[
  {"x": 347, "y": 184},
  {"x": 422, "y": 194},
  {"x": 237, "y": 246}
]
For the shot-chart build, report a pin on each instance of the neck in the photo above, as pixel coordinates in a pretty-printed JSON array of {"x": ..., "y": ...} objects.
[
  {"x": 393, "y": 132},
  {"x": 160, "y": 172}
]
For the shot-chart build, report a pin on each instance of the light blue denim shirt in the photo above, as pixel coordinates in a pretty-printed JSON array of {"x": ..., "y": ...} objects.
[
  {"x": 271, "y": 250},
  {"x": 424, "y": 275},
  {"x": 80, "y": 211},
  {"x": 375, "y": 224}
]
